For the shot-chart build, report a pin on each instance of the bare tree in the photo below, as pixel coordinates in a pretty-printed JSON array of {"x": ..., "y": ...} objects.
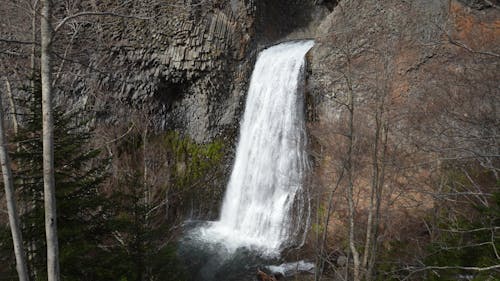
[
  {"x": 17, "y": 238},
  {"x": 349, "y": 164},
  {"x": 359, "y": 90},
  {"x": 48, "y": 143}
]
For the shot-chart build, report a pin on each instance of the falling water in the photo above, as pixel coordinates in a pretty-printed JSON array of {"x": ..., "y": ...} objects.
[{"x": 270, "y": 157}]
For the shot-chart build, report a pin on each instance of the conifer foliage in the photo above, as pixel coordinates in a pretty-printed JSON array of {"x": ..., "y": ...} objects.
[
  {"x": 103, "y": 234},
  {"x": 81, "y": 208}
]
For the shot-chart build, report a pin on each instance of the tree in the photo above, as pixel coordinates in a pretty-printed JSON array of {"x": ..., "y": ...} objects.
[
  {"x": 158, "y": 180},
  {"x": 48, "y": 143},
  {"x": 48, "y": 33},
  {"x": 79, "y": 172},
  {"x": 360, "y": 139},
  {"x": 17, "y": 238},
  {"x": 460, "y": 133},
  {"x": 425, "y": 150}
]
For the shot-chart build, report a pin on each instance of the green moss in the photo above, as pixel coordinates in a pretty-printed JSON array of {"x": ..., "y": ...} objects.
[
  {"x": 196, "y": 171},
  {"x": 192, "y": 160}
]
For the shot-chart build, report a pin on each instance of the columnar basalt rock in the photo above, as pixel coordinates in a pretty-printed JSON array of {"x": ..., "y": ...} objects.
[
  {"x": 188, "y": 66},
  {"x": 183, "y": 69}
]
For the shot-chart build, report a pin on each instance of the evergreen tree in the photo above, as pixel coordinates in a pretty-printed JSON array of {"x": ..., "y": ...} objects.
[
  {"x": 120, "y": 236},
  {"x": 146, "y": 252},
  {"x": 81, "y": 209}
]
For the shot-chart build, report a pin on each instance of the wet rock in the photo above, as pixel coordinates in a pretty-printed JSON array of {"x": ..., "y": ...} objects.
[
  {"x": 292, "y": 268},
  {"x": 262, "y": 276}
]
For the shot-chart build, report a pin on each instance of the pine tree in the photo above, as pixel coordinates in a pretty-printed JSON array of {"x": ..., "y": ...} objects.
[
  {"x": 82, "y": 211},
  {"x": 146, "y": 252}
]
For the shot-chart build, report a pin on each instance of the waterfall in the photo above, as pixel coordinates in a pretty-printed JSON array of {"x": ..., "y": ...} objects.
[{"x": 270, "y": 158}]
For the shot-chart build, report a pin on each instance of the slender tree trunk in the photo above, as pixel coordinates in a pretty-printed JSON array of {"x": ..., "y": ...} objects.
[
  {"x": 373, "y": 190},
  {"x": 33, "y": 46},
  {"x": 17, "y": 238},
  {"x": 319, "y": 250},
  {"x": 322, "y": 244},
  {"x": 385, "y": 132},
  {"x": 12, "y": 104},
  {"x": 147, "y": 189},
  {"x": 48, "y": 144},
  {"x": 371, "y": 225},
  {"x": 31, "y": 205},
  {"x": 350, "y": 184}
]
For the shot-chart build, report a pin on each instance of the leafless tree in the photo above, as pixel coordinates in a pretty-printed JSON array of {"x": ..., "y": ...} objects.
[
  {"x": 17, "y": 238},
  {"x": 48, "y": 142}
]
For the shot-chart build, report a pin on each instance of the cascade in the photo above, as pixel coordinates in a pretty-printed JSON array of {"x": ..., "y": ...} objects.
[{"x": 270, "y": 157}]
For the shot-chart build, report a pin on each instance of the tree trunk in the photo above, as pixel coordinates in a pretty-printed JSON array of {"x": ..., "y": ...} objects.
[
  {"x": 31, "y": 205},
  {"x": 322, "y": 244},
  {"x": 350, "y": 185},
  {"x": 48, "y": 144},
  {"x": 12, "y": 104},
  {"x": 372, "y": 224},
  {"x": 17, "y": 238},
  {"x": 33, "y": 46}
]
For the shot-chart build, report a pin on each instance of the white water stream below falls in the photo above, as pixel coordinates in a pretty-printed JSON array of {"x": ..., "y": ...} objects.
[{"x": 259, "y": 211}]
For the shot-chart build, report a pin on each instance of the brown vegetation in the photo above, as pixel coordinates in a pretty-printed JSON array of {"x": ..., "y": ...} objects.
[{"x": 398, "y": 104}]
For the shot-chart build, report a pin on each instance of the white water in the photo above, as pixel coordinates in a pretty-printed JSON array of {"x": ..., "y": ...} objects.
[
  {"x": 292, "y": 268},
  {"x": 270, "y": 157}
]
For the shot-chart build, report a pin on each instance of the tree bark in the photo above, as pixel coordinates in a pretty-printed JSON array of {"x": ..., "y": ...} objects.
[
  {"x": 33, "y": 46},
  {"x": 322, "y": 244},
  {"x": 374, "y": 207},
  {"x": 350, "y": 175},
  {"x": 15, "y": 123},
  {"x": 22, "y": 269},
  {"x": 48, "y": 144}
]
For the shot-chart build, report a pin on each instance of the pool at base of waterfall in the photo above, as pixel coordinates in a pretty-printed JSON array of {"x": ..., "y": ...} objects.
[{"x": 214, "y": 261}]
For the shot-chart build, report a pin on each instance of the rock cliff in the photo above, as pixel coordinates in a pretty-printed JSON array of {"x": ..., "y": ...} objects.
[
  {"x": 412, "y": 39},
  {"x": 413, "y": 81},
  {"x": 187, "y": 66}
]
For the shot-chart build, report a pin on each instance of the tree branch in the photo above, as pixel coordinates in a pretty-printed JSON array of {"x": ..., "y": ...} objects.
[
  {"x": 472, "y": 230},
  {"x": 83, "y": 14},
  {"x": 471, "y": 268},
  {"x": 462, "y": 45},
  {"x": 492, "y": 4},
  {"x": 14, "y": 41}
]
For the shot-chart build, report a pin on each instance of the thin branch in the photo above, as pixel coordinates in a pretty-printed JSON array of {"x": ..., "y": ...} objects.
[
  {"x": 472, "y": 230},
  {"x": 492, "y": 4},
  {"x": 15, "y": 41},
  {"x": 203, "y": 2},
  {"x": 493, "y": 245},
  {"x": 466, "y": 246},
  {"x": 11, "y": 53},
  {"x": 462, "y": 45},
  {"x": 470, "y": 268},
  {"x": 83, "y": 14},
  {"x": 120, "y": 240},
  {"x": 65, "y": 55},
  {"x": 12, "y": 104},
  {"x": 120, "y": 137}
]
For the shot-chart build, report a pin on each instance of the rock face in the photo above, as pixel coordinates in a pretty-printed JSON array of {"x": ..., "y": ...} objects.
[
  {"x": 187, "y": 67},
  {"x": 414, "y": 39},
  {"x": 481, "y": 4},
  {"x": 184, "y": 70}
]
